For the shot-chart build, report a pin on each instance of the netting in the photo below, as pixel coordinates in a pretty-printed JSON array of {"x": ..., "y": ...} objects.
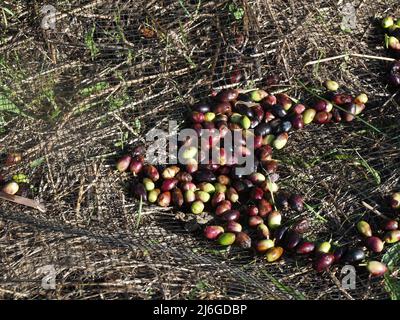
[{"x": 74, "y": 97}]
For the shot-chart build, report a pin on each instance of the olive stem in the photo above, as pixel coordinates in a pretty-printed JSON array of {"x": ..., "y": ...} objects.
[
  {"x": 23, "y": 201},
  {"x": 374, "y": 210}
]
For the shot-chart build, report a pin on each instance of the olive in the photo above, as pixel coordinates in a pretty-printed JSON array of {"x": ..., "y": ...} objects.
[
  {"x": 263, "y": 245},
  {"x": 301, "y": 226},
  {"x": 361, "y": 99},
  {"x": 227, "y": 95},
  {"x": 243, "y": 240},
  {"x": 177, "y": 197},
  {"x": 321, "y": 105},
  {"x": 278, "y": 111},
  {"x": 284, "y": 100},
  {"x": 258, "y": 95},
  {"x": 374, "y": 244},
  {"x": 274, "y": 220},
  {"x": 191, "y": 166},
  {"x": 395, "y": 200},
  {"x": 220, "y": 187},
  {"x": 280, "y": 233},
  {"x": 337, "y": 117},
  {"x": 321, "y": 117},
  {"x": 271, "y": 166},
  {"x": 308, "y": 116},
  {"x": 342, "y": 99},
  {"x": 233, "y": 226},
  {"x": 297, "y": 122},
  {"x": 359, "y": 108},
  {"x": 244, "y": 110},
  {"x": 354, "y": 255},
  {"x": 305, "y": 247},
  {"x": 364, "y": 228},
  {"x": 164, "y": 199},
  {"x": 264, "y": 208},
  {"x": 217, "y": 198},
  {"x": 209, "y": 117},
  {"x": 183, "y": 177},
  {"x": 197, "y": 207},
  {"x": 170, "y": 172},
  {"x": 204, "y": 176},
  {"x": 255, "y": 221},
  {"x": 392, "y": 236},
  {"x": 12, "y": 188},
  {"x": 189, "y": 153},
  {"x": 281, "y": 141},
  {"x": 394, "y": 43},
  {"x": 299, "y": 109},
  {"x": 197, "y": 117},
  {"x": 296, "y": 202},
  {"x": 338, "y": 253},
  {"x": 256, "y": 193},
  {"x": 291, "y": 240},
  {"x": 239, "y": 186},
  {"x": 323, "y": 247},
  {"x": 252, "y": 211},
  {"x": 264, "y": 153},
  {"x": 268, "y": 117},
  {"x": 285, "y": 126},
  {"x": 263, "y": 231},
  {"x": 269, "y": 101},
  {"x": 185, "y": 186},
  {"x": 257, "y": 177},
  {"x": 136, "y": 166},
  {"x": 189, "y": 196},
  {"x": 349, "y": 112},
  {"x": 269, "y": 186},
  {"x": 262, "y": 129},
  {"x": 123, "y": 163},
  {"x": 390, "y": 225},
  {"x": 245, "y": 122},
  {"x": 169, "y": 184},
  {"x": 148, "y": 184},
  {"x": 151, "y": 172},
  {"x": 226, "y": 239},
  {"x": 222, "y": 207},
  {"x": 152, "y": 196},
  {"x": 282, "y": 201},
  {"x": 232, "y": 195},
  {"x": 201, "y": 107},
  {"x": 323, "y": 262},
  {"x": 222, "y": 108},
  {"x": 387, "y": 22},
  {"x": 331, "y": 85},
  {"x": 394, "y": 79},
  {"x": 213, "y": 232},
  {"x": 231, "y": 215},
  {"x": 376, "y": 268},
  {"x": 273, "y": 254},
  {"x": 275, "y": 124},
  {"x": 202, "y": 196}
]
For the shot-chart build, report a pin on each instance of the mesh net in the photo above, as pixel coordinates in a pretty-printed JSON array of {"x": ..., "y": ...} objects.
[{"x": 72, "y": 98}]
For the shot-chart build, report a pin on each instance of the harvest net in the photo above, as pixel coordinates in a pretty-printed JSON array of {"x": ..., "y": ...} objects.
[{"x": 74, "y": 97}]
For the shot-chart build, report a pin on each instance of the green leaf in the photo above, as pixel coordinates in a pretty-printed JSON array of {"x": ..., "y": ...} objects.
[{"x": 392, "y": 259}]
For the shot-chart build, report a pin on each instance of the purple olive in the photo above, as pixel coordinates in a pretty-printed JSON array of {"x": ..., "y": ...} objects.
[
  {"x": 354, "y": 255},
  {"x": 138, "y": 191},
  {"x": 256, "y": 193},
  {"x": 323, "y": 262},
  {"x": 374, "y": 244},
  {"x": 252, "y": 211},
  {"x": 297, "y": 122},
  {"x": 222, "y": 108},
  {"x": 337, "y": 117},
  {"x": 213, "y": 232},
  {"x": 231, "y": 215},
  {"x": 305, "y": 248},
  {"x": 222, "y": 207},
  {"x": 204, "y": 176},
  {"x": 255, "y": 221},
  {"x": 280, "y": 233},
  {"x": 296, "y": 202},
  {"x": 227, "y": 95},
  {"x": 291, "y": 240},
  {"x": 136, "y": 166},
  {"x": 339, "y": 253},
  {"x": 390, "y": 225},
  {"x": 234, "y": 227},
  {"x": 262, "y": 129},
  {"x": 264, "y": 208},
  {"x": 278, "y": 111},
  {"x": 201, "y": 107},
  {"x": 169, "y": 184}
]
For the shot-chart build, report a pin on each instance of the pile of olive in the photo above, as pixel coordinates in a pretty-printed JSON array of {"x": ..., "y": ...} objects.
[
  {"x": 392, "y": 42},
  {"x": 247, "y": 208}
]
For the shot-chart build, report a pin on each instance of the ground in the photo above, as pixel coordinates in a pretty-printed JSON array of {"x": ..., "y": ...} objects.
[{"x": 74, "y": 98}]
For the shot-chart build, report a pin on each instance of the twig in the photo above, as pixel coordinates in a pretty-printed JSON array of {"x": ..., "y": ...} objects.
[
  {"x": 374, "y": 210},
  {"x": 347, "y": 55},
  {"x": 23, "y": 201}
]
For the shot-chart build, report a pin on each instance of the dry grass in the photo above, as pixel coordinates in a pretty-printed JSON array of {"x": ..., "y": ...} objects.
[{"x": 74, "y": 130}]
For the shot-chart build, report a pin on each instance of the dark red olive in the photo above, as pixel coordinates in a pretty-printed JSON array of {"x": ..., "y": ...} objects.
[
  {"x": 255, "y": 221},
  {"x": 227, "y": 95},
  {"x": 183, "y": 176},
  {"x": 151, "y": 172},
  {"x": 374, "y": 244},
  {"x": 291, "y": 240},
  {"x": 233, "y": 226},
  {"x": 197, "y": 117},
  {"x": 222, "y": 108},
  {"x": 271, "y": 166},
  {"x": 217, "y": 198},
  {"x": 323, "y": 262},
  {"x": 321, "y": 117},
  {"x": 164, "y": 199},
  {"x": 349, "y": 112},
  {"x": 280, "y": 233},
  {"x": 222, "y": 207},
  {"x": 337, "y": 117},
  {"x": 297, "y": 122},
  {"x": 264, "y": 208},
  {"x": 177, "y": 197},
  {"x": 390, "y": 225},
  {"x": 268, "y": 101},
  {"x": 231, "y": 215},
  {"x": 301, "y": 226},
  {"x": 123, "y": 163},
  {"x": 296, "y": 202},
  {"x": 169, "y": 184},
  {"x": 256, "y": 193},
  {"x": 213, "y": 232},
  {"x": 243, "y": 240},
  {"x": 139, "y": 191},
  {"x": 305, "y": 247},
  {"x": 136, "y": 166},
  {"x": 299, "y": 108},
  {"x": 252, "y": 211},
  {"x": 204, "y": 176},
  {"x": 354, "y": 255},
  {"x": 264, "y": 153},
  {"x": 342, "y": 99}
]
